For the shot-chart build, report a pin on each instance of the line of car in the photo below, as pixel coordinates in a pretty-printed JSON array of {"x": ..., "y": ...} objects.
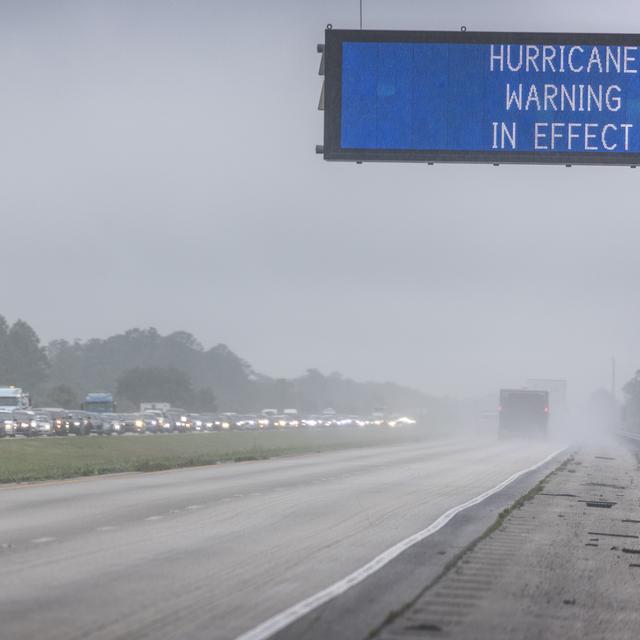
[{"x": 62, "y": 422}]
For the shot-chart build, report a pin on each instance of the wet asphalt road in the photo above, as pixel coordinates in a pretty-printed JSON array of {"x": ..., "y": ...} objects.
[{"x": 211, "y": 552}]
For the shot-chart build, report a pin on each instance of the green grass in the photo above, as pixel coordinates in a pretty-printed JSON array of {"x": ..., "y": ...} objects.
[{"x": 27, "y": 460}]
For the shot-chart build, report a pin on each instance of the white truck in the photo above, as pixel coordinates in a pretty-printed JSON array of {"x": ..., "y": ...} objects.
[
  {"x": 154, "y": 406},
  {"x": 12, "y": 398}
]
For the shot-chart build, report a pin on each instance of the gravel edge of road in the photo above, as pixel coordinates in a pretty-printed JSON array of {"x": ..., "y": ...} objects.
[
  {"x": 453, "y": 563},
  {"x": 561, "y": 566},
  {"x": 371, "y": 606}
]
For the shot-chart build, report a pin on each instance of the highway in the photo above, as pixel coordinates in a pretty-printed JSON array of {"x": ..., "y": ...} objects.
[{"x": 213, "y": 552}]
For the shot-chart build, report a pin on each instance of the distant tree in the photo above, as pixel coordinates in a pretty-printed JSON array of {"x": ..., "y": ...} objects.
[
  {"x": 4, "y": 352},
  {"x": 631, "y": 409},
  {"x": 186, "y": 339},
  {"x": 62, "y": 395},
  {"x": 155, "y": 384},
  {"x": 27, "y": 361},
  {"x": 205, "y": 401},
  {"x": 140, "y": 366}
]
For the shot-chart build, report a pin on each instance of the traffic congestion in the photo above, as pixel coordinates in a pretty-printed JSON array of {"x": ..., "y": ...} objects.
[{"x": 61, "y": 422}]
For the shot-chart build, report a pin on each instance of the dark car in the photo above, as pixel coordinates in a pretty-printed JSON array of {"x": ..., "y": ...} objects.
[
  {"x": 84, "y": 423},
  {"x": 246, "y": 423},
  {"x": 152, "y": 423},
  {"x": 179, "y": 420},
  {"x": 44, "y": 423},
  {"x": 58, "y": 419},
  {"x": 79, "y": 422},
  {"x": 133, "y": 423},
  {"x": 155, "y": 420},
  {"x": 208, "y": 422},
  {"x": 97, "y": 424},
  {"x": 201, "y": 423},
  {"x": 112, "y": 424},
  {"x": 25, "y": 423}
]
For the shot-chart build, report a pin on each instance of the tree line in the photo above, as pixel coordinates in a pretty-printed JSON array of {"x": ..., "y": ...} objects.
[
  {"x": 23, "y": 361},
  {"x": 631, "y": 409},
  {"x": 141, "y": 365}
]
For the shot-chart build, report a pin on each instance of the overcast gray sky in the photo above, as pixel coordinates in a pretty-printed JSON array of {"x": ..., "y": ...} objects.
[{"x": 157, "y": 168}]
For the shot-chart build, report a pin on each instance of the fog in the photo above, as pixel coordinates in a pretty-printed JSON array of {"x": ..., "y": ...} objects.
[{"x": 157, "y": 168}]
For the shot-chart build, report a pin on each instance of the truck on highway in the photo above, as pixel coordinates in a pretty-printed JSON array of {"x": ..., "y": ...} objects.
[
  {"x": 99, "y": 403},
  {"x": 14, "y": 398},
  {"x": 558, "y": 399},
  {"x": 523, "y": 412}
]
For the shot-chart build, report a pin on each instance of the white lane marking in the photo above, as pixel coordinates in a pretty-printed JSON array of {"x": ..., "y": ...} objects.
[
  {"x": 42, "y": 540},
  {"x": 107, "y": 528},
  {"x": 151, "y": 518},
  {"x": 297, "y": 611},
  {"x": 194, "y": 506}
]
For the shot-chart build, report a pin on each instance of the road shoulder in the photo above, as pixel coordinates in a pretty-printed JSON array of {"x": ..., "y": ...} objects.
[
  {"x": 370, "y": 604},
  {"x": 565, "y": 564}
]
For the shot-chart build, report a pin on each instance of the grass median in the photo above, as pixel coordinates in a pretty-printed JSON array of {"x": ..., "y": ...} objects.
[{"x": 28, "y": 460}]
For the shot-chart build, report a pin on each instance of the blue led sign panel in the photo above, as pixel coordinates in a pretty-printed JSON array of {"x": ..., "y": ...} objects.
[{"x": 438, "y": 96}]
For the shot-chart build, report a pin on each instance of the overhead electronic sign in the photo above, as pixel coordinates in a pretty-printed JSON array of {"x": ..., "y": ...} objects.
[{"x": 439, "y": 96}]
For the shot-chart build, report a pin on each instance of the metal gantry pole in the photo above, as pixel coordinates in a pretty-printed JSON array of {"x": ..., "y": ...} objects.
[{"x": 361, "y": 1}]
